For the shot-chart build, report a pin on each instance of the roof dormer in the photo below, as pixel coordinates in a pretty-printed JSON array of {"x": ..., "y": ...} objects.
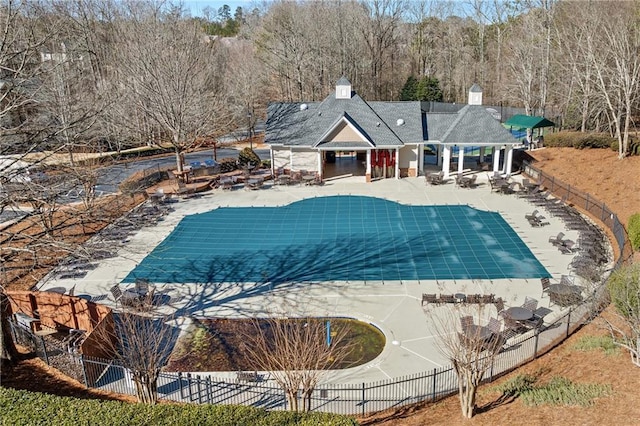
[{"x": 343, "y": 88}]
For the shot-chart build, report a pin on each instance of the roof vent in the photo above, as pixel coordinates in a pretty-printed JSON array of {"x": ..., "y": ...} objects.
[
  {"x": 400, "y": 122},
  {"x": 378, "y": 124},
  {"x": 303, "y": 107}
]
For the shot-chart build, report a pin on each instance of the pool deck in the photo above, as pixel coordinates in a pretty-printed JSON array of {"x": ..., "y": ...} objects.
[{"x": 394, "y": 307}]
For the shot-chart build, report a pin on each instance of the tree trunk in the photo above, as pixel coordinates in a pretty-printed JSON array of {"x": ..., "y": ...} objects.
[
  {"x": 292, "y": 399},
  {"x": 8, "y": 351},
  {"x": 146, "y": 388}
]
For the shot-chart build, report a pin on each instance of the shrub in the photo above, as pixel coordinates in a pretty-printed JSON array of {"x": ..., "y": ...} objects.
[
  {"x": 32, "y": 408},
  {"x": 517, "y": 385},
  {"x": 228, "y": 165},
  {"x": 589, "y": 343},
  {"x": 624, "y": 290},
  {"x": 248, "y": 156},
  {"x": 562, "y": 391},
  {"x": 634, "y": 231},
  {"x": 579, "y": 140}
]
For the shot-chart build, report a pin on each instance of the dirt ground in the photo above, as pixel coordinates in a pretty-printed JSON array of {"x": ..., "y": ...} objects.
[{"x": 599, "y": 172}]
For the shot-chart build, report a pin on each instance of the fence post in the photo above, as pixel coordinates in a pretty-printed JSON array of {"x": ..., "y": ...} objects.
[
  {"x": 603, "y": 209},
  {"x": 180, "y": 385},
  {"x": 199, "y": 387},
  {"x": 363, "y": 398},
  {"x": 208, "y": 384},
  {"x": 553, "y": 181},
  {"x": 44, "y": 350},
  {"x": 568, "y": 322},
  {"x": 84, "y": 371},
  {"x": 433, "y": 392},
  {"x": 535, "y": 345},
  {"x": 587, "y": 203},
  {"x": 189, "y": 384}
]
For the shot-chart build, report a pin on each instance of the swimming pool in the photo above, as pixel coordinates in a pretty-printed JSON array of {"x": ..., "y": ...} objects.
[{"x": 339, "y": 238}]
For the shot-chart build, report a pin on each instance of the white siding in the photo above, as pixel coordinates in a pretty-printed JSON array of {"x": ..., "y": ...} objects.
[
  {"x": 305, "y": 160},
  {"x": 408, "y": 157},
  {"x": 281, "y": 158}
]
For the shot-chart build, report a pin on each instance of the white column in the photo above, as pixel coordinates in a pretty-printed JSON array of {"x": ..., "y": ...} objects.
[
  {"x": 368, "y": 162},
  {"x": 397, "y": 163},
  {"x": 291, "y": 159},
  {"x": 320, "y": 164},
  {"x": 273, "y": 166},
  {"x": 496, "y": 158},
  {"x": 439, "y": 155},
  {"x": 481, "y": 159},
  {"x": 420, "y": 159},
  {"x": 445, "y": 161},
  {"x": 460, "y": 160},
  {"x": 509, "y": 160}
]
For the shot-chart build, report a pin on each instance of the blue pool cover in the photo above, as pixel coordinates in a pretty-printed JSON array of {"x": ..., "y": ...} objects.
[{"x": 339, "y": 238}]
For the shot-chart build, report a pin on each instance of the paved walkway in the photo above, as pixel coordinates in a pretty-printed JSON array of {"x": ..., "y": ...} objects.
[{"x": 393, "y": 307}]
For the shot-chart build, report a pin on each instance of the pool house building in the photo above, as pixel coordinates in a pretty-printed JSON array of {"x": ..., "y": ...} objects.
[{"x": 344, "y": 135}]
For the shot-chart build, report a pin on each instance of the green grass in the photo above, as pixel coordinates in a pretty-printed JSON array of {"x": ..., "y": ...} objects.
[
  {"x": 558, "y": 391},
  {"x": 592, "y": 343}
]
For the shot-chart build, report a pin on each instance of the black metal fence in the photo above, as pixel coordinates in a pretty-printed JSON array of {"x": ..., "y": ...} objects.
[
  {"x": 362, "y": 398},
  {"x": 351, "y": 399},
  {"x": 587, "y": 203}
]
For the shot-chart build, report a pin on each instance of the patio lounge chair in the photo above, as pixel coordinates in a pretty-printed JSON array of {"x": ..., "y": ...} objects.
[
  {"x": 557, "y": 240},
  {"x": 495, "y": 325}
]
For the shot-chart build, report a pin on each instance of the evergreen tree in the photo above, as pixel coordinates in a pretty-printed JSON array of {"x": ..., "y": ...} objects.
[
  {"x": 408, "y": 92},
  {"x": 428, "y": 89}
]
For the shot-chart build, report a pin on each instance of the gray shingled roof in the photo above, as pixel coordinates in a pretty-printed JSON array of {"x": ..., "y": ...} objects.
[
  {"x": 475, "y": 89},
  {"x": 343, "y": 81},
  {"x": 475, "y": 125},
  {"x": 289, "y": 125}
]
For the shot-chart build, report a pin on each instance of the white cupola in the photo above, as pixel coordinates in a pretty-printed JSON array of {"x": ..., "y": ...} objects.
[
  {"x": 475, "y": 95},
  {"x": 343, "y": 88}
]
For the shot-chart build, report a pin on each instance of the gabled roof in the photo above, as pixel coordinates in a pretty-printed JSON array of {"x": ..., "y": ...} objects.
[
  {"x": 289, "y": 125},
  {"x": 528, "y": 122},
  {"x": 379, "y": 124},
  {"x": 475, "y": 89}
]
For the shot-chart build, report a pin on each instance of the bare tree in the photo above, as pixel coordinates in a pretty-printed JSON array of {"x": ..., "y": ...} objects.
[
  {"x": 624, "y": 290},
  {"x": 169, "y": 68},
  {"x": 471, "y": 352},
  {"x": 141, "y": 341},
  {"x": 296, "y": 353},
  {"x": 617, "y": 66}
]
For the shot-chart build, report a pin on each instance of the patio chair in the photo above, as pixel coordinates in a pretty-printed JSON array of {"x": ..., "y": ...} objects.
[
  {"x": 473, "y": 298},
  {"x": 487, "y": 298},
  {"x": 429, "y": 298},
  {"x": 126, "y": 299},
  {"x": 557, "y": 240},
  {"x": 499, "y": 304},
  {"x": 535, "y": 215},
  {"x": 530, "y": 303},
  {"x": 141, "y": 286},
  {"x": 545, "y": 282},
  {"x": 466, "y": 321},
  {"x": 447, "y": 298},
  {"x": 210, "y": 163},
  {"x": 495, "y": 325}
]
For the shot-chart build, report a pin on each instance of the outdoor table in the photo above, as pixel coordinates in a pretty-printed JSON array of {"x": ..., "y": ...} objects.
[
  {"x": 283, "y": 180},
  {"x": 308, "y": 179},
  {"x": 477, "y": 332},
  {"x": 460, "y": 297},
  {"x": 518, "y": 313}
]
